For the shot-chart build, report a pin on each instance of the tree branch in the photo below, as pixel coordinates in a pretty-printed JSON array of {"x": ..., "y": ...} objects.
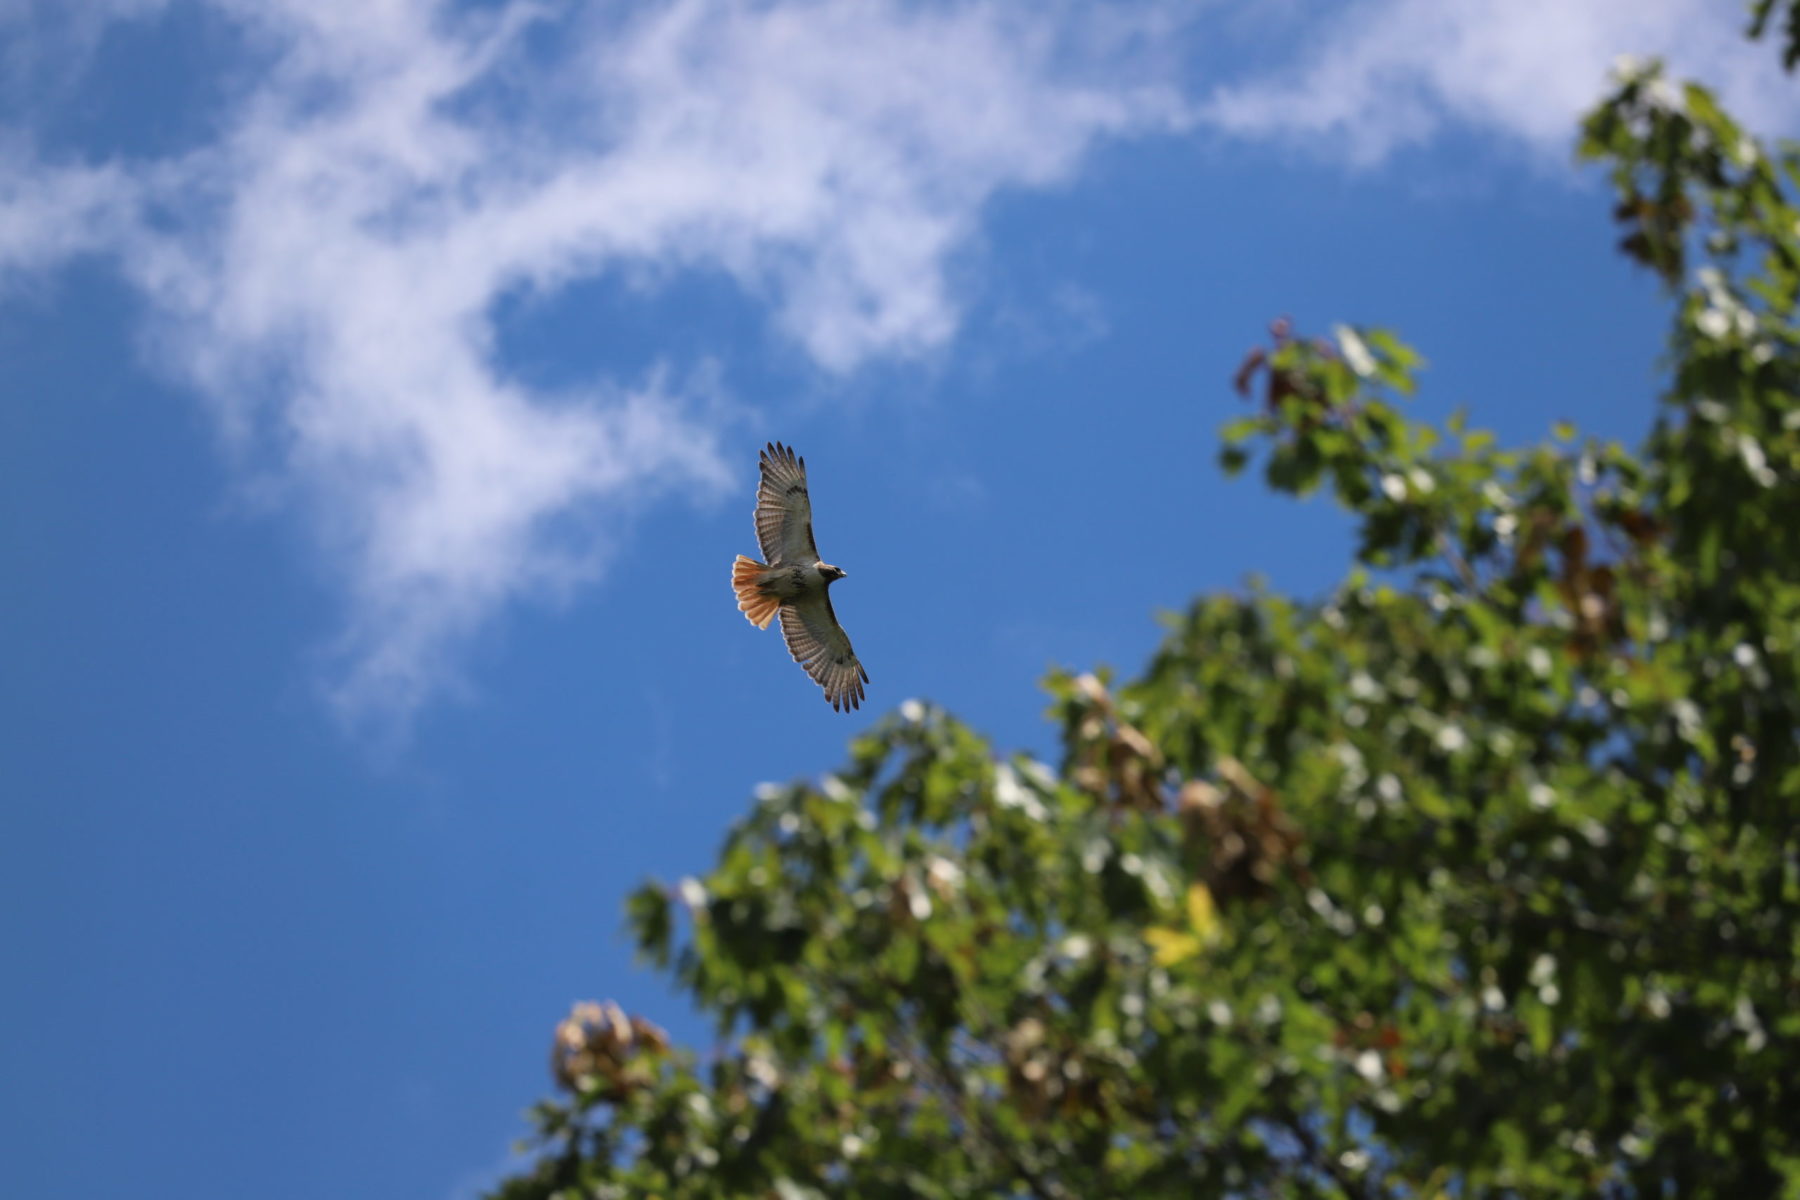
[
  {"x": 1349, "y": 1184},
  {"x": 943, "y": 1074}
]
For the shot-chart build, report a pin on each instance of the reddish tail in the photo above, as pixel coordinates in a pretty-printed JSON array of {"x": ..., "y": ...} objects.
[{"x": 753, "y": 602}]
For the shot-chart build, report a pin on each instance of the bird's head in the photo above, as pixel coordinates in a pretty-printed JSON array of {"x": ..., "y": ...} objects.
[{"x": 830, "y": 573}]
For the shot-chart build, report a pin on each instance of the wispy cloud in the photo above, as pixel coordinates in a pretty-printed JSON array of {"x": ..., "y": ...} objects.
[
  {"x": 46, "y": 45},
  {"x": 324, "y": 272},
  {"x": 49, "y": 215},
  {"x": 1375, "y": 76}
]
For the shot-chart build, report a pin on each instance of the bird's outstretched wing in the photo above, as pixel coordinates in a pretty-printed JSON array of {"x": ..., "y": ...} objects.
[
  {"x": 819, "y": 644},
  {"x": 783, "y": 510}
]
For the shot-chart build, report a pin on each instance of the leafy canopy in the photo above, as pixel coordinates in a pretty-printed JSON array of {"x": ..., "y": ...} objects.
[{"x": 1481, "y": 874}]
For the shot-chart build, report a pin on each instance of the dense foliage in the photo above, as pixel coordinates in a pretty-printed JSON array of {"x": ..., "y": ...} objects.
[{"x": 1479, "y": 875}]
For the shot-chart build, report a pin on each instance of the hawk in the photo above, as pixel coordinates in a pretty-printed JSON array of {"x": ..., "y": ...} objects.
[{"x": 794, "y": 583}]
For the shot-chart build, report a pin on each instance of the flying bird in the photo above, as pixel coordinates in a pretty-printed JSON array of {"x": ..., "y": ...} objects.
[{"x": 795, "y": 583}]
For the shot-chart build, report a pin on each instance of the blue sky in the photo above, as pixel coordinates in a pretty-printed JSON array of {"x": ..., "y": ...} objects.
[{"x": 383, "y": 385}]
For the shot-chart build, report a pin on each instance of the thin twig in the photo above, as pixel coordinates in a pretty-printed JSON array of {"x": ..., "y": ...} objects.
[
  {"x": 1463, "y": 570},
  {"x": 931, "y": 1065},
  {"x": 1309, "y": 1142}
]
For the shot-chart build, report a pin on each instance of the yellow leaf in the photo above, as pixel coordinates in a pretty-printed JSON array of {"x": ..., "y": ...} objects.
[
  {"x": 1203, "y": 913},
  {"x": 1170, "y": 946}
]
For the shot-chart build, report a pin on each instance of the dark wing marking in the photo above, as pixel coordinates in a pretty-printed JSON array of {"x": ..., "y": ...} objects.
[
  {"x": 783, "y": 509},
  {"x": 820, "y": 645}
]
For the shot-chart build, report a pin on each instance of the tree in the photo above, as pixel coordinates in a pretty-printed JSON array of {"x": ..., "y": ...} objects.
[{"x": 1480, "y": 875}]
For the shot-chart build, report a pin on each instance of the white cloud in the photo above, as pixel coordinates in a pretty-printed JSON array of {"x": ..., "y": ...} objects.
[
  {"x": 45, "y": 45},
  {"x": 1379, "y": 75},
  {"x": 324, "y": 272},
  {"x": 48, "y": 215}
]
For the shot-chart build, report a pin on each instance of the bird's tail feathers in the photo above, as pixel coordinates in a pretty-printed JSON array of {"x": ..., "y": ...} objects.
[{"x": 757, "y": 606}]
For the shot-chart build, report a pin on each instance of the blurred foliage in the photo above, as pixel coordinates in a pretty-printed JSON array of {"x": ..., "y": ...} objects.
[
  {"x": 1479, "y": 876},
  {"x": 1765, "y": 14}
]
